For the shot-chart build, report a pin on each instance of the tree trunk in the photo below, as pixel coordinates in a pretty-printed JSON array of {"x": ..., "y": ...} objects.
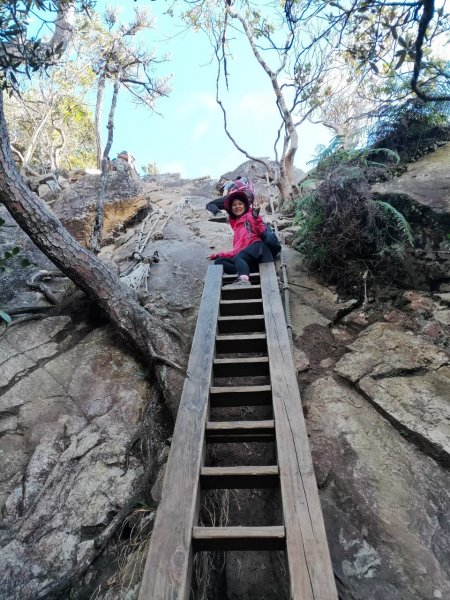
[
  {"x": 287, "y": 179},
  {"x": 98, "y": 116},
  {"x": 97, "y": 230},
  {"x": 34, "y": 140},
  {"x": 141, "y": 329}
]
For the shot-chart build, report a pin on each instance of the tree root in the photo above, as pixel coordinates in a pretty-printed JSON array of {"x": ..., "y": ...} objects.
[{"x": 36, "y": 282}]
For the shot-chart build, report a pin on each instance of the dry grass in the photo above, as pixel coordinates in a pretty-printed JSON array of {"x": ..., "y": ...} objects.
[
  {"x": 132, "y": 549},
  {"x": 214, "y": 513}
]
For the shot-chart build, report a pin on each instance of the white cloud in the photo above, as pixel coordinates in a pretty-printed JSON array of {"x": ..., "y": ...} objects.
[{"x": 200, "y": 101}]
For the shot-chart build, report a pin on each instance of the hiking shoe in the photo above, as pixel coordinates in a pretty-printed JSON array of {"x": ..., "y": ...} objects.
[
  {"x": 239, "y": 283},
  {"x": 220, "y": 218}
]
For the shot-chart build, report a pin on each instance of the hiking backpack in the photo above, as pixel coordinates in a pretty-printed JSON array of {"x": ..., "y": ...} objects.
[
  {"x": 241, "y": 186},
  {"x": 270, "y": 239}
]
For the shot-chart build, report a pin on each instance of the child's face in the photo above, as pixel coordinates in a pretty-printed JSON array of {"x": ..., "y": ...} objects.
[{"x": 238, "y": 208}]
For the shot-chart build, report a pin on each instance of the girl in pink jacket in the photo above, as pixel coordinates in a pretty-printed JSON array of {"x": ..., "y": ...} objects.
[{"x": 248, "y": 249}]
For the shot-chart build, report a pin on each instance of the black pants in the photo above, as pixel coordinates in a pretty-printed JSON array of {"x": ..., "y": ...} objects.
[
  {"x": 246, "y": 260},
  {"x": 215, "y": 206}
]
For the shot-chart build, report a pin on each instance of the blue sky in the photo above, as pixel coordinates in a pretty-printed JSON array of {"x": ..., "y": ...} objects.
[{"x": 189, "y": 136}]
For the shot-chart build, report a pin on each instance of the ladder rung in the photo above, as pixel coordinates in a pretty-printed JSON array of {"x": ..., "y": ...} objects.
[
  {"x": 238, "y": 538},
  {"x": 241, "y": 307},
  {"x": 241, "y": 367},
  {"x": 220, "y": 478},
  {"x": 241, "y": 324},
  {"x": 252, "y": 342},
  {"x": 241, "y": 293},
  {"x": 229, "y": 278},
  {"x": 246, "y": 395},
  {"x": 240, "y": 431}
]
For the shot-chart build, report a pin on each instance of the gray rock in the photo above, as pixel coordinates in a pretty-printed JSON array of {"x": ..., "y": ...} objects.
[
  {"x": 124, "y": 201},
  {"x": 427, "y": 182},
  {"x": 24, "y": 345},
  {"x": 63, "y": 476},
  {"x": 384, "y": 349},
  {"x": 385, "y": 504}
]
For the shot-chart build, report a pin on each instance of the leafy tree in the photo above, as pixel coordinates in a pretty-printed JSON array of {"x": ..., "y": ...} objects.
[
  {"x": 120, "y": 58},
  {"x": 296, "y": 83},
  {"x": 338, "y": 63},
  {"x": 384, "y": 36},
  {"x": 50, "y": 124},
  {"x": 142, "y": 330}
]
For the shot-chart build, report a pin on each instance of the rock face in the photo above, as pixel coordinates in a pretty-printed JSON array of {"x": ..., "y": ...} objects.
[
  {"x": 124, "y": 200},
  {"x": 73, "y": 399},
  {"x": 422, "y": 194},
  {"x": 426, "y": 181},
  {"x": 386, "y": 505}
]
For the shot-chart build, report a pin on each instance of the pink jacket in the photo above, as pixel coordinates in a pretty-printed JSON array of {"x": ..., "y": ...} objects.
[{"x": 247, "y": 230}]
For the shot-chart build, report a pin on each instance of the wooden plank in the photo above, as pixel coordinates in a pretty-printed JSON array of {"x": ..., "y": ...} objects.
[
  {"x": 311, "y": 573},
  {"x": 248, "y": 395},
  {"x": 220, "y": 432},
  {"x": 229, "y": 278},
  {"x": 238, "y": 538},
  {"x": 249, "y": 478},
  {"x": 247, "y": 323},
  {"x": 241, "y": 293},
  {"x": 167, "y": 573},
  {"x": 252, "y": 342},
  {"x": 246, "y": 425},
  {"x": 241, "y": 307},
  {"x": 241, "y": 367}
]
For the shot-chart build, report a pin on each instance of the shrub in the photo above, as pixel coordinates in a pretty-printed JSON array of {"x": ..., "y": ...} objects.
[
  {"x": 343, "y": 230},
  {"x": 412, "y": 127}
]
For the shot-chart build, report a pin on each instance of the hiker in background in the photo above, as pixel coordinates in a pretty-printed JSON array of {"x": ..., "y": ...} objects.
[
  {"x": 248, "y": 249},
  {"x": 217, "y": 206}
]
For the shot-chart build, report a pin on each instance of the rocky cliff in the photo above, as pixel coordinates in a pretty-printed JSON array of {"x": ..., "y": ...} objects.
[{"x": 85, "y": 432}]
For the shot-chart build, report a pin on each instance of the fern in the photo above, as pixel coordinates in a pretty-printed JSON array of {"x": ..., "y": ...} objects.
[
  {"x": 391, "y": 154},
  {"x": 401, "y": 224}
]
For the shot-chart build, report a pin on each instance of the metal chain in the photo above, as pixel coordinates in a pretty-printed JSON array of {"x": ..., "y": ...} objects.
[{"x": 283, "y": 266}]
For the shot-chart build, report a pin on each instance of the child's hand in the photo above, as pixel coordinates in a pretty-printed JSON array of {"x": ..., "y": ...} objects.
[
  {"x": 256, "y": 211},
  {"x": 212, "y": 256}
]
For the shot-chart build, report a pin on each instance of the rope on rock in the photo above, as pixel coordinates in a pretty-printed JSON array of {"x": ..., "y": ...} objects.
[
  {"x": 139, "y": 271},
  {"x": 283, "y": 266}
]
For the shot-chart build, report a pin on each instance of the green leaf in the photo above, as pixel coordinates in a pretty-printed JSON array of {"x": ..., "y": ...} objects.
[
  {"x": 25, "y": 262},
  {"x": 5, "y": 317},
  {"x": 7, "y": 254},
  {"x": 2, "y": 222},
  {"x": 15, "y": 250}
]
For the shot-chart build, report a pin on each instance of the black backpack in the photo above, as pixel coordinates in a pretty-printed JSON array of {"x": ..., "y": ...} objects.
[{"x": 271, "y": 241}]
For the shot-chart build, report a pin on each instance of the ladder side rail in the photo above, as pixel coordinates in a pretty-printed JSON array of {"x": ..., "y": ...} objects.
[
  {"x": 168, "y": 569},
  {"x": 310, "y": 570}
]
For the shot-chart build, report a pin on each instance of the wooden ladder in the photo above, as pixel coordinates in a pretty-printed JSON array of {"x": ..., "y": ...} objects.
[{"x": 244, "y": 320}]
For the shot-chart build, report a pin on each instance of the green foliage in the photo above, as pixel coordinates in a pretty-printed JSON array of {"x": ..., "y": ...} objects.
[
  {"x": 411, "y": 125},
  {"x": 335, "y": 156},
  {"x": 151, "y": 169},
  {"x": 395, "y": 219},
  {"x": 7, "y": 259},
  {"x": 5, "y": 317},
  {"x": 341, "y": 226},
  {"x": 7, "y": 262}
]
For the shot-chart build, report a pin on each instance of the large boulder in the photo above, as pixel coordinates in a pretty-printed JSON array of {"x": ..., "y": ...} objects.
[
  {"x": 407, "y": 378},
  {"x": 385, "y": 503},
  {"x": 125, "y": 201},
  {"x": 72, "y": 400},
  {"x": 422, "y": 194}
]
